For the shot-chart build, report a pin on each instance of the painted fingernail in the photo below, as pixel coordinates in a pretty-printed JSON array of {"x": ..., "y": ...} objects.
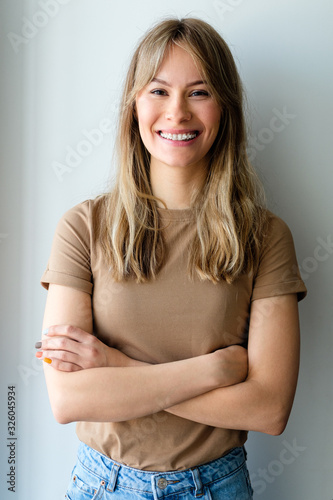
[
  {"x": 39, "y": 354},
  {"x": 48, "y": 360},
  {"x": 45, "y": 332},
  {"x": 38, "y": 345}
]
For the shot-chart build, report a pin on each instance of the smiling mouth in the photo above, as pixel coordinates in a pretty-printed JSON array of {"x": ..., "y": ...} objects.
[{"x": 179, "y": 137}]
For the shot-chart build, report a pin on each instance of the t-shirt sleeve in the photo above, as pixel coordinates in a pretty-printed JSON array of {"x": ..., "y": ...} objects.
[
  {"x": 69, "y": 262},
  {"x": 278, "y": 272}
]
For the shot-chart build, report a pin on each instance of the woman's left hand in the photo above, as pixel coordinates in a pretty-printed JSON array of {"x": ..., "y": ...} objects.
[{"x": 67, "y": 348}]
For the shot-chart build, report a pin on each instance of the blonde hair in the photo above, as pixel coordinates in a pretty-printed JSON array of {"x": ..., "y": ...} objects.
[{"x": 229, "y": 210}]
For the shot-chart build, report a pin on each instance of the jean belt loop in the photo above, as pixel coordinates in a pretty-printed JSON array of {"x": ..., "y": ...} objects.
[
  {"x": 245, "y": 452},
  {"x": 197, "y": 481},
  {"x": 113, "y": 477}
]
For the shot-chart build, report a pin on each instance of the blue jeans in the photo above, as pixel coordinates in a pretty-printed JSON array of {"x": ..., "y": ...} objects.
[{"x": 96, "y": 477}]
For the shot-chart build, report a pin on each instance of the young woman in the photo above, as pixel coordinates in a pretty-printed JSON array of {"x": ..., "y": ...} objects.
[{"x": 171, "y": 323}]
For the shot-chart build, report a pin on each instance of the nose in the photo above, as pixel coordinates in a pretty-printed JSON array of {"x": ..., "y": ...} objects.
[{"x": 177, "y": 110}]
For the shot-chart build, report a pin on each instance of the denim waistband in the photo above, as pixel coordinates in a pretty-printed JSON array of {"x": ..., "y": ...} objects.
[{"x": 112, "y": 474}]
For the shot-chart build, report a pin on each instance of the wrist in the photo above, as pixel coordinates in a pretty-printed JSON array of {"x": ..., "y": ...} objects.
[
  {"x": 118, "y": 359},
  {"x": 114, "y": 358},
  {"x": 217, "y": 364},
  {"x": 208, "y": 369},
  {"x": 233, "y": 365}
]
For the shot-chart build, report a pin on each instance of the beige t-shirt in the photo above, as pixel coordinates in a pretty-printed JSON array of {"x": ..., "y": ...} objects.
[{"x": 165, "y": 320}]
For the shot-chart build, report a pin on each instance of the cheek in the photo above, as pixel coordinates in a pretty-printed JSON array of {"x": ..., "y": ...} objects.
[
  {"x": 215, "y": 116},
  {"x": 211, "y": 117},
  {"x": 216, "y": 120},
  {"x": 142, "y": 121},
  {"x": 146, "y": 113},
  {"x": 145, "y": 126}
]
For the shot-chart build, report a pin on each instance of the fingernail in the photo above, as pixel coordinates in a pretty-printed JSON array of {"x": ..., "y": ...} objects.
[
  {"x": 48, "y": 360},
  {"x": 45, "y": 332},
  {"x": 38, "y": 345},
  {"x": 39, "y": 354}
]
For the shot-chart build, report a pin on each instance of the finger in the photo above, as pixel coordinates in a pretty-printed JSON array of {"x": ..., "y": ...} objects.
[
  {"x": 63, "y": 366},
  {"x": 61, "y": 358},
  {"x": 85, "y": 355},
  {"x": 60, "y": 343},
  {"x": 69, "y": 331}
]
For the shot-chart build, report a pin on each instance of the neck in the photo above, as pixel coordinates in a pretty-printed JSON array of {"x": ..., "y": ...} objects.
[{"x": 175, "y": 185}]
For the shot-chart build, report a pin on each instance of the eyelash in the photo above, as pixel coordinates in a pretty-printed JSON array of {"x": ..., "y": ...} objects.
[{"x": 200, "y": 92}]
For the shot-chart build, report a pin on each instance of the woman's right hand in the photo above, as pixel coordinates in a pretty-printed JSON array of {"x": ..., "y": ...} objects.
[
  {"x": 68, "y": 348},
  {"x": 233, "y": 361}
]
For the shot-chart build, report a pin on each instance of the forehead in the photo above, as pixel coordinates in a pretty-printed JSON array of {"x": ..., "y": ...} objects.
[{"x": 180, "y": 64}]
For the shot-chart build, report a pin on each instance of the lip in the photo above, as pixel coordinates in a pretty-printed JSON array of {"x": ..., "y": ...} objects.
[{"x": 178, "y": 131}]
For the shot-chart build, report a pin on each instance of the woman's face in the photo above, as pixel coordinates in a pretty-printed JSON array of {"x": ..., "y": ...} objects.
[{"x": 178, "y": 117}]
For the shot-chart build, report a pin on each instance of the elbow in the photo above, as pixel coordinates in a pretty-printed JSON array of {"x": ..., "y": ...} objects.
[
  {"x": 277, "y": 429},
  {"x": 60, "y": 396},
  {"x": 273, "y": 411},
  {"x": 61, "y": 417},
  {"x": 61, "y": 410},
  {"x": 277, "y": 421}
]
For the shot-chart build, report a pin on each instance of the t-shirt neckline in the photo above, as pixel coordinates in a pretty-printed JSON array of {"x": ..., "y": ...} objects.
[{"x": 181, "y": 214}]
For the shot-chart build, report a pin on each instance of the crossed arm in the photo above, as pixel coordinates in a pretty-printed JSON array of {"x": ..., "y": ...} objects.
[{"x": 231, "y": 388}]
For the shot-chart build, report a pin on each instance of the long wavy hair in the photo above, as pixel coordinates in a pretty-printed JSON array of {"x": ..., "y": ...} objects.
[{"x": 229, "y": 209}]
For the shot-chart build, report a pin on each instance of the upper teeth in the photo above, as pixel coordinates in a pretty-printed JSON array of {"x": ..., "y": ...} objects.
[{"x": 178, "y": 137}]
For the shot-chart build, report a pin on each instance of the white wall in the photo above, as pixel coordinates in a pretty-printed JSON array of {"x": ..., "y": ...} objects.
[{"x": 63, "y": 77}]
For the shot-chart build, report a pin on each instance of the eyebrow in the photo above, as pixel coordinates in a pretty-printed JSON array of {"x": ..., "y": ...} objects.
[{"x": 197, "y": 82}]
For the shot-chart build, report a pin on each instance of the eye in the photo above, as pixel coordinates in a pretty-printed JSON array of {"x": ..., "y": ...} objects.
[
  {"x": 158, "y": 92},
  {"x": 199, "y": 93}
]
